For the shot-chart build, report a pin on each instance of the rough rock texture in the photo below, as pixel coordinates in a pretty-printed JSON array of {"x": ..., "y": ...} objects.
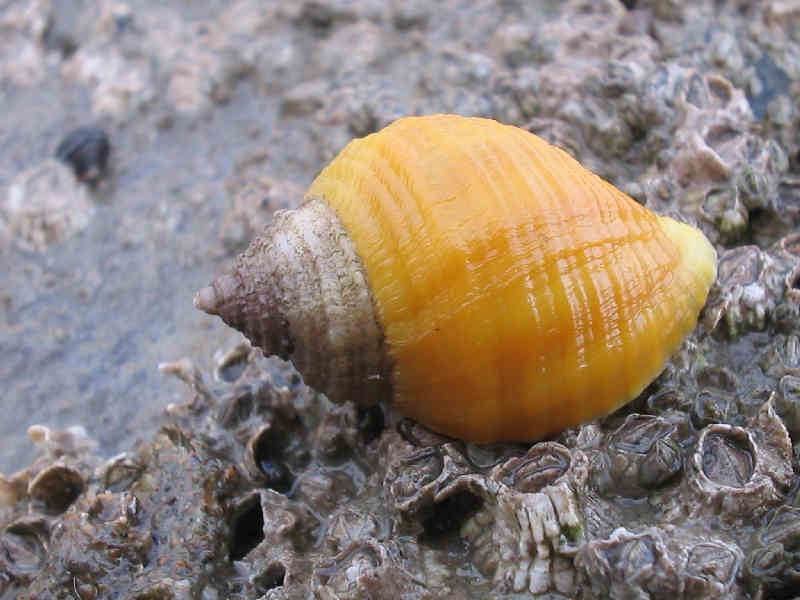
[
  {"x": 45, "y": 205},
  {"x": 253, "y": 486}
]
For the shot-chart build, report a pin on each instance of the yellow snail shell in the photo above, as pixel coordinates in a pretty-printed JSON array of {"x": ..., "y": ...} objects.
[{"x": 480, "y": 278}]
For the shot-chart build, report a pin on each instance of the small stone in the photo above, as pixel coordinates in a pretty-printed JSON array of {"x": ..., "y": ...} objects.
[{"x": 86, "y": 150}]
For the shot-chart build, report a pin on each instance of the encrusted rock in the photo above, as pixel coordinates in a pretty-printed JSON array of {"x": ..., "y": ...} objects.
[
  {"x": 642, "y": 455},
  {"x": 659, "y": 563},
  {"x": 522, "y": 519},
  {"x": 751, "y": 286},
  {"x": 259, "y": 488},
  {"x": 45, "y": 205},
  {"x": 774, "y": 561},
  {"x": 56, "y": 487},
  {"x": 740, "y": 473}
]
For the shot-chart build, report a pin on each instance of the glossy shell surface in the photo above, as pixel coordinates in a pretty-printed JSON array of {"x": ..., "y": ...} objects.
[{"x": 518, "y": 293}]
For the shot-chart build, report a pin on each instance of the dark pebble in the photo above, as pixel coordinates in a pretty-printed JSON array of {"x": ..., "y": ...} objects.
[{"x": 86, "y": 150}]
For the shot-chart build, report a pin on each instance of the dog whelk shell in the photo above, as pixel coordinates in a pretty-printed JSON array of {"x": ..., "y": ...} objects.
[{"x": 480, "y": 278}]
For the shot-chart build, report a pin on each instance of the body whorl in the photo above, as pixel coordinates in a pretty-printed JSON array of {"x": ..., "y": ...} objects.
[{"x": 503, "y": 291}]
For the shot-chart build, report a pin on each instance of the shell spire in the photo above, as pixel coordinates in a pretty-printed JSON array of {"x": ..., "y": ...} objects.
[
  {"x": 299, "y": 292},
  {"x": 479, "y": 277}
]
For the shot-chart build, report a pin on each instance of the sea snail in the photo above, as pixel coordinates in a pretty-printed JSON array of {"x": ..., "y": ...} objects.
[{"x": 481, "y": 279}]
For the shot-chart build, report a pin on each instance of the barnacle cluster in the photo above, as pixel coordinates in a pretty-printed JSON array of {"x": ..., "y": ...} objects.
[{"x": 282, "y": 494}]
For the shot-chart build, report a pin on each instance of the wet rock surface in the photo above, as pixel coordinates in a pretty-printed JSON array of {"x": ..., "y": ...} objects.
[{"x": 246, "y": 484}]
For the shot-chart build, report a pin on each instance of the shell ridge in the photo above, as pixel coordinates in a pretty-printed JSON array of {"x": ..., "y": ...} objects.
[
  {"x": 667, "y": 288},
  {"x": 384, "y": 160},
  {"x": 317, "y": 303},
  {"x": 561, "y": 254},
  {"x": 375, "y": 220},
  {"x": 369, "y": 161},
  {"x": 526, "y": 198},
  {"x": 619, "y": 244},
  {"x": 548, "y": 195},
  {"x": 661, "y": 283},
  {"x": 501, "y": 175},
  {"x": 650, "y": 297},
  {"x": 337, "y": 286},
  {"x": 499, "y": 371},
  {"x": 580, "y": 313},
  {"x": 694, "y": 285},
  {"x": 442, "y": 147},
  {"x": 615, "y": 324},
  {"x": 457, "y": 198},
  {"x": 543, "y": 198},
  {"x": 526, "y": 228},
  {"x": 372, "y": 373},
  {"x": 632, "y": 231},
  {"x": 551, "y": 202},
  {"x": 473, "y": 152},
  {"x": 294, "y": 249},
  {"x": 310, "y": 307},
  {"x": 387, "y": 150},
  {"x": 276, "y": 337}
]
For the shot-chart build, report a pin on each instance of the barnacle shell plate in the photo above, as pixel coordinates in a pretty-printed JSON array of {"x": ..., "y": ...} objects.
[{"x": 519, "y": 293}]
